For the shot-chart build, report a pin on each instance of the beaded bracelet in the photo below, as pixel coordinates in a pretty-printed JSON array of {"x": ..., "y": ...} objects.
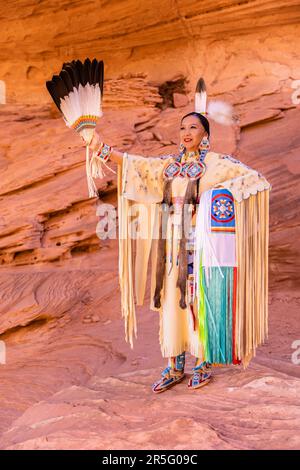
[{"x": 104, "y": 151}]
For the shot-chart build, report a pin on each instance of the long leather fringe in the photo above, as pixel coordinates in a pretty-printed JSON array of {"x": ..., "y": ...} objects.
[
  {"x": 161, "y": 249},
  {"x": 126, "y": 264},
  {"x": 252, "y": 232},
  {"x": 189, "y": 198}
]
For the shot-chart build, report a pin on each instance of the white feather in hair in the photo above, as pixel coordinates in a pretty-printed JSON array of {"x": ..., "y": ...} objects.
[
  {"x": 217, "y": 110},
  {"x": 200, "y": 97}
]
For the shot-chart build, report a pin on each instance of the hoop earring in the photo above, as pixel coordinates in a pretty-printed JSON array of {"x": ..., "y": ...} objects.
[
  {"x": 204, "y": 147},
  {"x": 204, "y": 144},
  {"x": 182, "y": 150}
]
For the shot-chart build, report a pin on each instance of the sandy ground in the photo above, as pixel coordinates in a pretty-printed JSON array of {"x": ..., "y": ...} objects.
[{"x": 72, "y": 382}]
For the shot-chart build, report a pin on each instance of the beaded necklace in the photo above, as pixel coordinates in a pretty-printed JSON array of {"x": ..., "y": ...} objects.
[
  {"x": 190, "y": 169},
  {"x": 193, "y": 170}
]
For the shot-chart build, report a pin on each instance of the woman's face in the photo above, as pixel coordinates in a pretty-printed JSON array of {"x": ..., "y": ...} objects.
[{"x": 191, "y": 133}]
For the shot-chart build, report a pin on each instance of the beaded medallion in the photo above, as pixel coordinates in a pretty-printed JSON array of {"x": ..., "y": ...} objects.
[
  {"x": 192, "y": 169},
  {"x": 222, "y": 211}
]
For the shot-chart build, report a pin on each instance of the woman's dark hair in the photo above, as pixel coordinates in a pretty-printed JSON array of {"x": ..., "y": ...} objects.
[{"x": 203, "y": 120}]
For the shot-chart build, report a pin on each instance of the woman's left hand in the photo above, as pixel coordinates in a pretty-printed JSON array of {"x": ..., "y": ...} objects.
[{"x": 95, "y": 142}]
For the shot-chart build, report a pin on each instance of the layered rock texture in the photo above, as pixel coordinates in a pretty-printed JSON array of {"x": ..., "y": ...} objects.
[{"x": 69, "y": 379}]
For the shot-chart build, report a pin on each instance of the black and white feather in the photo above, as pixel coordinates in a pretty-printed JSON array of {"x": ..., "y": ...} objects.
[
  {"x": 200, "y": 97},
  {"x": 220, "y": 111},
  {"x": 77, "y": 92}
]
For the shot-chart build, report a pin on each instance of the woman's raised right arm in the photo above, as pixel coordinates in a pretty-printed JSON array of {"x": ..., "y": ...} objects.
[
  {"x": 117, "y": 156},
  {"x": 143, "y": 176}
]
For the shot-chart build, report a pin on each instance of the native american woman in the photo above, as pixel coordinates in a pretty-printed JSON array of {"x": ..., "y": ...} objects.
[{"x": 201, "y": 221}]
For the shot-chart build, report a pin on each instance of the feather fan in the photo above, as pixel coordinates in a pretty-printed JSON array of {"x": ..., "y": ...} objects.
[{"x": 77, "y": 92}]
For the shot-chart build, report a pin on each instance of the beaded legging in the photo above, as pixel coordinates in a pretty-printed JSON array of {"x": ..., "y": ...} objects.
[{"x": 177, "y": 363}]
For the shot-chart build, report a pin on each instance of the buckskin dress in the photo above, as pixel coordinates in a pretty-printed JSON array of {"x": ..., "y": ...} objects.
[{"x": 229, "y": 318}]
